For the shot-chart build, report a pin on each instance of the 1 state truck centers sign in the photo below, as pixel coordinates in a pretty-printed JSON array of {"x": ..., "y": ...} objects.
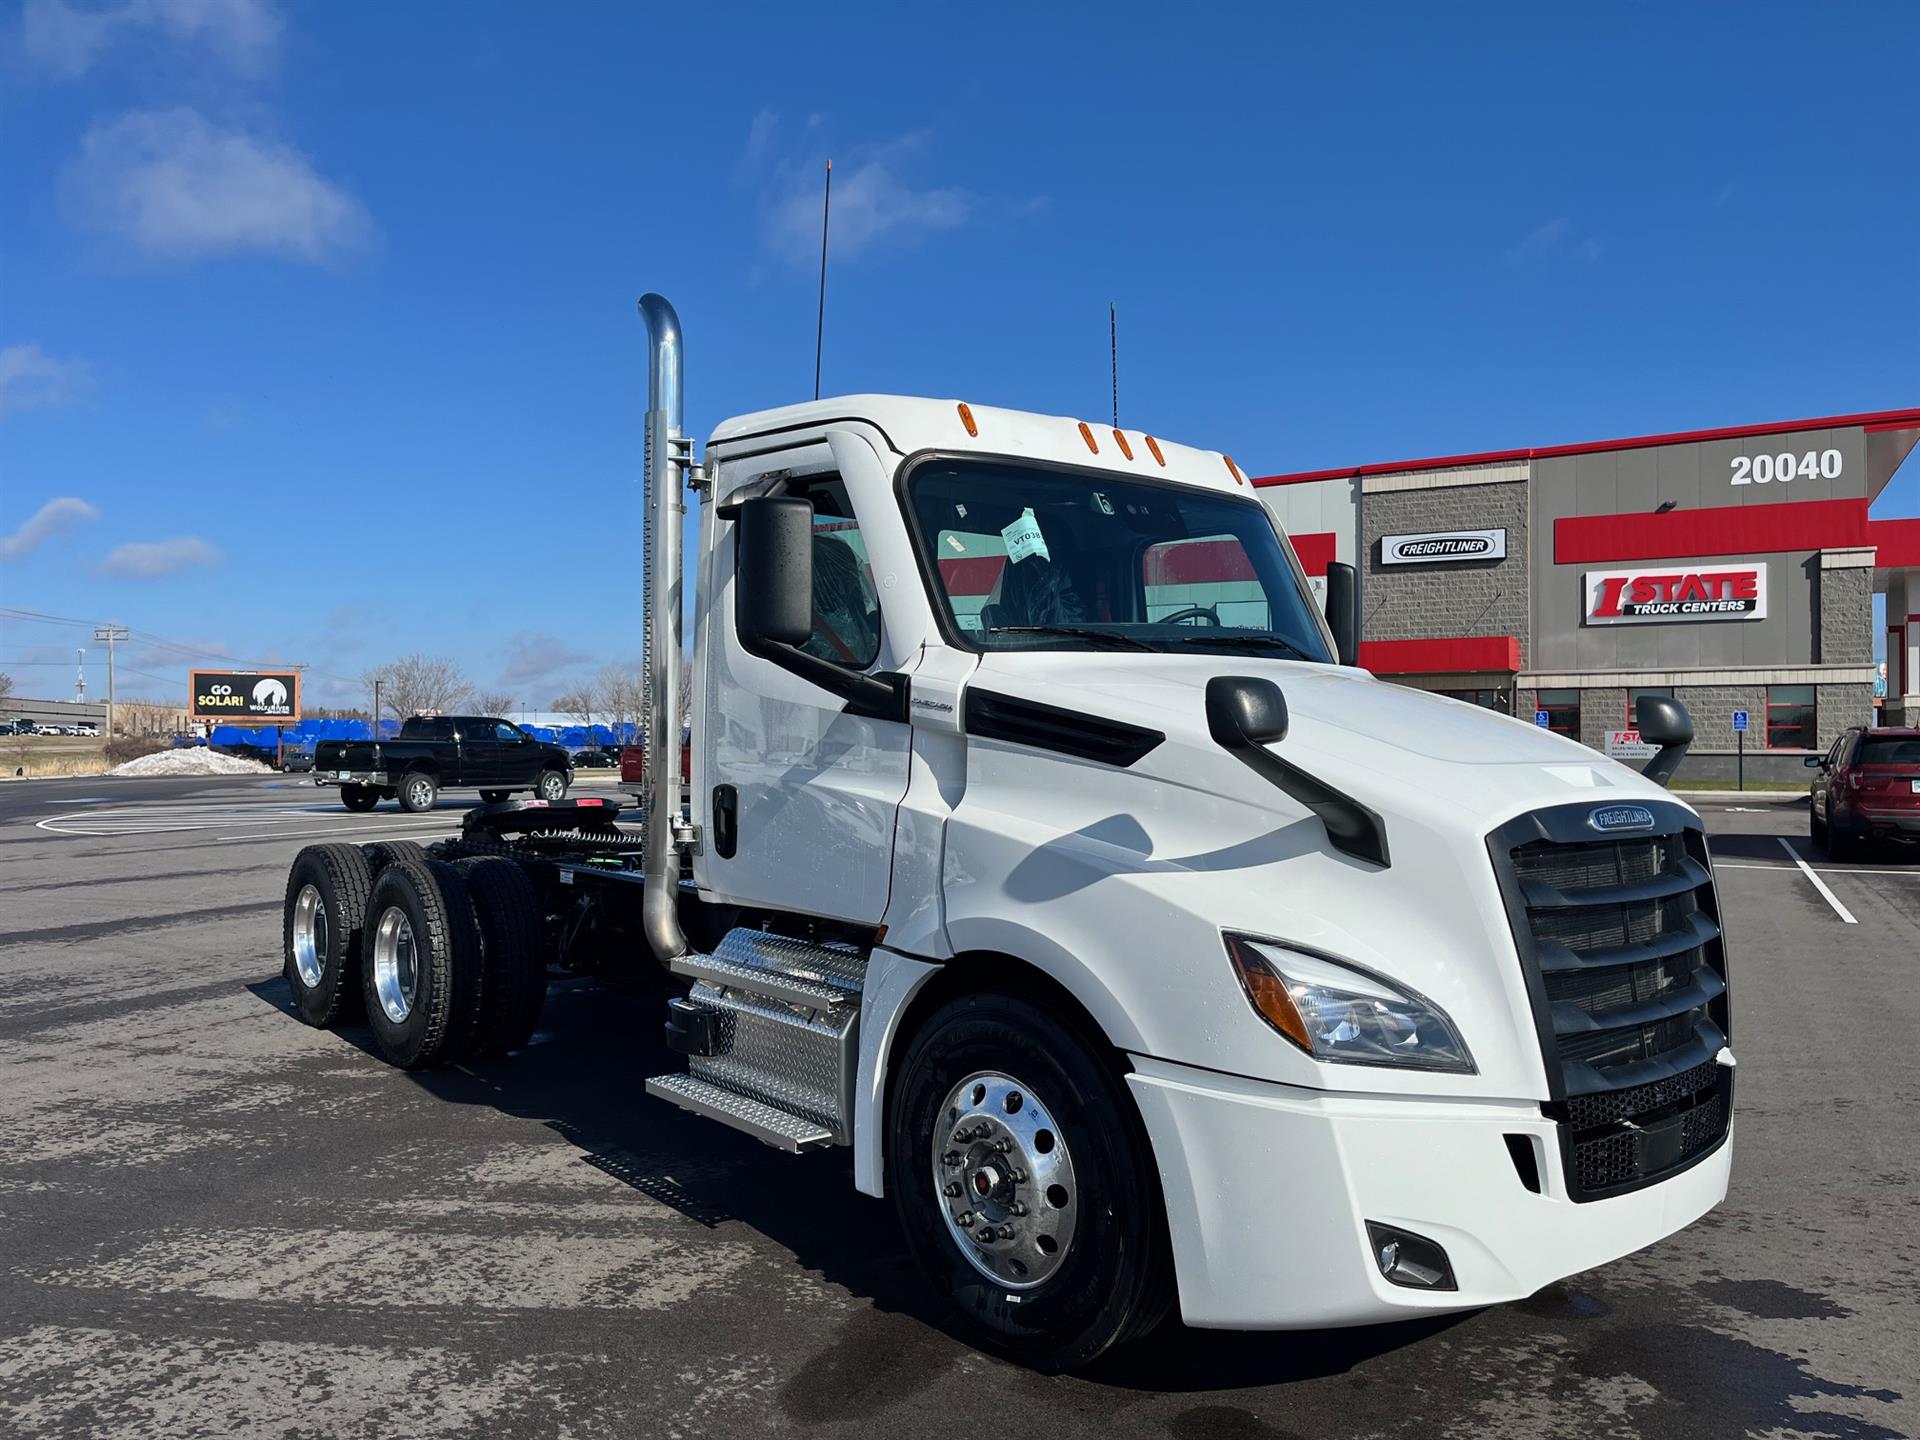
[
  {"x": 1690, "y": 591},
  {"x": 242, "y": 696}
]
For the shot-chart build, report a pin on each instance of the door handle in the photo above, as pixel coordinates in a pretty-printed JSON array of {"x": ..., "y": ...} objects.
[{"x": 726, "y": 821}]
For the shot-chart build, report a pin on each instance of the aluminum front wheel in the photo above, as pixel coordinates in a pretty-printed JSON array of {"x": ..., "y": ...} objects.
[
  {"x": 1005, "y": 1180},
  {"x": 419, "y": 794},
  {"x": 396, "y": 971},
  {"x": 309, "y": 935}
]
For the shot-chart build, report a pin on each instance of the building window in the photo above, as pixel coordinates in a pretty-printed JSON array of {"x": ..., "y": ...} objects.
[
  {"x": 1486, "y": 699},
  {"x": 1563, "y": 711},
  {"x": 1633, "y": 699},
  {"x": 1793, "y": 717}
]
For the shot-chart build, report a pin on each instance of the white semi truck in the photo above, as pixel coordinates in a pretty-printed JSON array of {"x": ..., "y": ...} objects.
[{"x": 1044, "y": 846}]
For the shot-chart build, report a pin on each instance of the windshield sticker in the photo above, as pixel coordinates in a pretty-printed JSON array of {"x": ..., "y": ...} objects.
[
  {"x": 959, "y": 545},
  {"x": 1024, "y": 539}
]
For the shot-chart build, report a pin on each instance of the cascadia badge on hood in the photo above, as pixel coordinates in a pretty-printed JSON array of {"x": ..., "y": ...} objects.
[{"x": 1620, "y": 817}]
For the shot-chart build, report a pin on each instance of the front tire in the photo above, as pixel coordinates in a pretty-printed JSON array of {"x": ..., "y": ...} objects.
[
  {"x": 418, "y": 791},
  {"x": 321, "y": 923},
  {"x": 552, "y": 785},
  {"x": 359, "y": 797},
  {"x": 1074, "y": 1258}
]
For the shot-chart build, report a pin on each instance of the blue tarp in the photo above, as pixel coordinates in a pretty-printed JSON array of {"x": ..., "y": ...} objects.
[{"x": 310, "y": 732}]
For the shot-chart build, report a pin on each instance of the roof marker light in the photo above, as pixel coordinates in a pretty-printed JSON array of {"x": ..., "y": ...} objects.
[
  {"x": 1121, "y": 441},
  {"x": 1154, "y": 446},
  {"x": 966, "y": 419},
  {"x": 1087, "y": 435},
  {"x": 1234, "y": 470}
]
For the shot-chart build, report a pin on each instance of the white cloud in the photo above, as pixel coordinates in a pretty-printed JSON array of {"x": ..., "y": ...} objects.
[
  {"x": 30, "y": 379},
  {"x": 67, "y": 40},
  {"x": 174, "y": 186},
  {"x": 56, "y": 517},
  {"x": 875, "y": 203},
  {"x": 157, "y": 559},
  {"x": 1557, "y": 236}
]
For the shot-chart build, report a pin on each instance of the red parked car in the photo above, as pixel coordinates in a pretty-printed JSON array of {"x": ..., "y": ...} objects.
[{"x": 1868, "y": 789}]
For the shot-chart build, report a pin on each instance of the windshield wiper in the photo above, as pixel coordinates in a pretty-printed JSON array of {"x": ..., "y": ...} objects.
[
  {"x": 1272, "y": 642},
  {"x": 1078, "y": 632}
]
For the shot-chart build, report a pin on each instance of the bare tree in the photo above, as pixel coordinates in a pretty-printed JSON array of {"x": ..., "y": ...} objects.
[
  {"x": 419, "y": 682},
  {"x": 496, "y": 703},
  {"x": 581, "y": 704},
  {"x": 6, "y": 686},
  {"x": 622, "y": 694}
]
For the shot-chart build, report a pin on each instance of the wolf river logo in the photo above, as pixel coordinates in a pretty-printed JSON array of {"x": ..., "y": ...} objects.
[{"x": 270, "y": 692}]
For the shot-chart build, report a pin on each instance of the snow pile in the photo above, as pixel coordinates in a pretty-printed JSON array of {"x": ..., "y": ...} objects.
[{"x": 196, "y": 761}]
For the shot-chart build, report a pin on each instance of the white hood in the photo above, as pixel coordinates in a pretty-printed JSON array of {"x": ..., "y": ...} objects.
[{"x": 1391, "y": 747}]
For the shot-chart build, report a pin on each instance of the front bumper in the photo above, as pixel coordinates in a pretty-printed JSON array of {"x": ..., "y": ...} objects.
[{"x": 1268, "y": 1190}]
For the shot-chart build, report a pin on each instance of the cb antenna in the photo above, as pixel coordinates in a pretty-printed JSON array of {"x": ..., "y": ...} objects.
[
  {"x": 820, "y": 324},
  {"x": 1113, "y": 358}
]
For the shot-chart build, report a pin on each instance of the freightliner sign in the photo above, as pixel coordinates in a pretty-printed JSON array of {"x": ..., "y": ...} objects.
[{"x": 1442, "y": 545}]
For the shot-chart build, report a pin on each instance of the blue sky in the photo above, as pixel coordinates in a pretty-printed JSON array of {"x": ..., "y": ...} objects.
[{"x": 321, "y": 316}]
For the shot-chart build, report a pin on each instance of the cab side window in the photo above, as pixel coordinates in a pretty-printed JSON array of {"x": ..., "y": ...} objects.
[{"x": 846, "y": 608}]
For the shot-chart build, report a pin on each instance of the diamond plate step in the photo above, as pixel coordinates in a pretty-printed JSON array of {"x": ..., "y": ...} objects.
[
  {"x": 794, "y": 989},
  {"x": 766, "y": 1124}
]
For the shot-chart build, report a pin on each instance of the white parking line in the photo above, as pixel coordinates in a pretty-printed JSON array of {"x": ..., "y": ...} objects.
[
  {"x": 383, "y": 831},
  {"x": 1845, "y": 914},
  {"x": 1824, "y": 869}
]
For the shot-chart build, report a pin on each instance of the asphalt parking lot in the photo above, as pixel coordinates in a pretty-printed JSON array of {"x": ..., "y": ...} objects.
[{"x": 216, "y": 1221}]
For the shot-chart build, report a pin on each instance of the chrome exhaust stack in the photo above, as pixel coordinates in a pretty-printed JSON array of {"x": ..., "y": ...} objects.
[{"x": 666, "y": 449}]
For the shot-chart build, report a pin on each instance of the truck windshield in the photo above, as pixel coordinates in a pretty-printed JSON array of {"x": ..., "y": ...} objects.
[{"x": 1028, "y": 558}]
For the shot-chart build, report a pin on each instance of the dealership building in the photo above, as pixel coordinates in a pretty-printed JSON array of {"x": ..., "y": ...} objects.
[{"x": 1733, "y": 569}]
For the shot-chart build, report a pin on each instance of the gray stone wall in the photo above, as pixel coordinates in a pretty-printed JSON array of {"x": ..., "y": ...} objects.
[
  {"x": 1712, "y": 707},
  {"x": 1842, "y": 706},
  {"x": 1843, "y": 617},
  {"x": 1601, "y": 710},
  {"x": 1453, "y": 598}
]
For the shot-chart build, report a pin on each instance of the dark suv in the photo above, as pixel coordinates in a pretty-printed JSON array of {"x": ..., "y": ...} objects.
[{"x": 1868, "y": 788}]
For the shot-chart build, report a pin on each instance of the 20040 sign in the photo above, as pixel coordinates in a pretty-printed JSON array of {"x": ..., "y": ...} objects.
[{"x": 1764, "y": 469}]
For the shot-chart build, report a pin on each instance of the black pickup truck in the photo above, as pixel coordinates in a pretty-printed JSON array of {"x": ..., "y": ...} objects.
[{"x": 430, "y": 753}]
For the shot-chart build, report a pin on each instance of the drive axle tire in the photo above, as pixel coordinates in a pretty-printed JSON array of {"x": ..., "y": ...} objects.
[
  {"x": 383, "y": 853},
  {"x": 422, "y": 967},
  {"x": 1025, "y": 1183},
  {"x": 494, "y": 797},
  {"x": 509, "y": 913},
  {"x": 418, "y": 791},
  {"x": 325, "y": 911},
  {"x": 552, "y": 785},
  {"x": 359, "y": 797}
]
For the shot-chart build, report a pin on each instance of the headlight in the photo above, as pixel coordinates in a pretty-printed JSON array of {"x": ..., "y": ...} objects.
[{"x": 1344, "y": 1015}]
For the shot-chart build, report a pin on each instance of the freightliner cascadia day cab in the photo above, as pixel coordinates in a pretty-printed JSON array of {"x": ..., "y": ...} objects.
[{"x": 1044, "y": 846}]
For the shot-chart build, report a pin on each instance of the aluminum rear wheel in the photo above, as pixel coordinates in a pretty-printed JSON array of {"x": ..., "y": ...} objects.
[
  {"x": 396, "y": 966},
  {"x": 1006, "y": 1178},
  {"x": 309, "y": 935}
]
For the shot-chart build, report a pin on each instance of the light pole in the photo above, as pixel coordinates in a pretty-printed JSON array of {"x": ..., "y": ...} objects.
[{"x": 110, "y": 633}]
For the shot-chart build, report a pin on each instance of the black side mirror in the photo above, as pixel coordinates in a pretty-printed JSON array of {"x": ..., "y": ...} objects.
[
  {"x": 773, "y": 571},
  {"x": 1343, "y": 611},
  {"x": 1815, "y": 762},
  {"x": 1244, "y": 716},
  {"x": 773, "y": 604},
  {"x": 1664, "y": 722}
]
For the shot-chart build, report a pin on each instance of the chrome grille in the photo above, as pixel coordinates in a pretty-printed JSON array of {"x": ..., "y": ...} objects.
[{"x": 1626, "y": 967}]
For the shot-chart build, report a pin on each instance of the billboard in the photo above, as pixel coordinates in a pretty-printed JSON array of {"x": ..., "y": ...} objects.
[
  {"x": 242, "y": 696},
  {"x": 1688, "y": 591}
]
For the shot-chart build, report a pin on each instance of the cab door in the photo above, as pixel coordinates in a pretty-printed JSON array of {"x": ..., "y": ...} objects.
[{"x": 797, "y": 797}]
